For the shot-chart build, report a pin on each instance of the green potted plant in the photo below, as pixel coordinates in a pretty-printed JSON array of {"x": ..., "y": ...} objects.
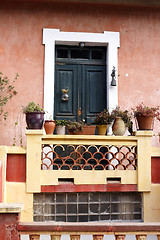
[
  {"x": 102, "y": 120},
  {"x": 34, "y": 115},
  {"x": 61, "y": 126},
  {"x": 145, "y": 116},
  {"x": 74, "y": 127},
  {"x": 122, "y": 120}
]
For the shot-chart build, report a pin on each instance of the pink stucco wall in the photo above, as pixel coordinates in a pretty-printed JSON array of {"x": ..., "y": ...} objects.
[{"x": 21, "y": 51}]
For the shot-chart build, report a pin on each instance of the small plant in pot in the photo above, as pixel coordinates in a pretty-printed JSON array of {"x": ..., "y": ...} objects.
[
  {"x": 145, "y": 116},
  {"x": 74, "y": 127},
  {"x": 34, "y": 115},
  {"x": 102, "y": 120},
  {"x": 122, "y": 120},
  {"x": 61, "y": 126}
]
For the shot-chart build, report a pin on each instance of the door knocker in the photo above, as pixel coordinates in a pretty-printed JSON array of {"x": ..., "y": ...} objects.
[{"x": 65, "y": 95}]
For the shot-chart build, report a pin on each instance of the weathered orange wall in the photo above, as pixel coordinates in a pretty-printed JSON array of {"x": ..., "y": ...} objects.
[{"x": 21, "y": 50}]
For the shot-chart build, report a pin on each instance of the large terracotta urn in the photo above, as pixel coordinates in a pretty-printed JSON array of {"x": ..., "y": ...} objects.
[{"x": 118, "y": 127}]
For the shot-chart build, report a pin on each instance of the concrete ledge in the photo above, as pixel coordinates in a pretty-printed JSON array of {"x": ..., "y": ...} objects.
[{"x": 11, "y": 207}]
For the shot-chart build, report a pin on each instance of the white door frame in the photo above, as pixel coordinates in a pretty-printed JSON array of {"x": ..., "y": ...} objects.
[{"x": 51, "y": 37}]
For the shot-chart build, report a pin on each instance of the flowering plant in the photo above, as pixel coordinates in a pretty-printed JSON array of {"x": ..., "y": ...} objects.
[
  {"x": 103, "y": 118},
  {"x": 75, "y": 127},
  {"x": 141, "y": 109},
  {"x": 125, "y": 115}
]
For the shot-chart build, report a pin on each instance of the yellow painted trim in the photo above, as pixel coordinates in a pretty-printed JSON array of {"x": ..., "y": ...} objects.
[
  {"x": 155, "y": 151},
  {"x": 88, "y": 139},
  {"x": 3, "y": 160},
  {"x": 15, "y": 150},
  {"x": 144, "y": 163},
  {"x": 50, "y": 177}
]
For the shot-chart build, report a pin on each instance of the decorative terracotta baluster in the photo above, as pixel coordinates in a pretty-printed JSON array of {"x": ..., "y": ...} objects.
[
  {"x": 74, "y": 237},
  {"x": 141, "y": 237},
  {"x": 55, "y": 237},
  {"x": 98, "y": 237},
  {"x": 158, "y": 237},
  {"x": 120, "y": 237},
  {"x": 34, "y": 237}
]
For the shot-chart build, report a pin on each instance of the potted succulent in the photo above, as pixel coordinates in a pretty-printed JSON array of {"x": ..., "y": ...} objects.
[
  {"x": 74, "y": 127},
  {"x": 102, "y": 120},
  {"x": 61, "y": 126},
  {"x": 34, "y": 115},
  {"x": 122, "y": 120},
  {"x": 145, "y": 116}
]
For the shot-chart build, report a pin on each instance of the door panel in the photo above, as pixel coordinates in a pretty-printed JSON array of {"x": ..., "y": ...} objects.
[
  {"x": 94, "y": 91},
  {"x": 85, "y": 77},
  {"x": 65, "y": 79}
]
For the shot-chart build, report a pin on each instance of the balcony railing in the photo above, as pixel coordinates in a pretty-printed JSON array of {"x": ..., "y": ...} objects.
[
  {"x": 97, "y": 230},
  {"x": 88, "y": 159}
]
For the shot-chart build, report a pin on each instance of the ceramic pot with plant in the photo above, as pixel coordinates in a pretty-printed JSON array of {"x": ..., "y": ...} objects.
[
  {"x": 102, "y": 120},
  {"x": 88, "y": 129},
  {"x": 61, "y": 127},
  {"x": 34, "y": 115},
  {"x": 122, "y": 120},
  {"x": 49, "y": 126},
  {"x": 74, "y": 128},
  {"x": 145, "y": 116}
]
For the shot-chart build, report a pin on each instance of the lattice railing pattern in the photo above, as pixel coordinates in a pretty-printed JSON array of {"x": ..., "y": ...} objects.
[{"x": 88, "y": 157}]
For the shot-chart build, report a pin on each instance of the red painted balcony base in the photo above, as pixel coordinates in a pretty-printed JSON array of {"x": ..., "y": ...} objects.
[{"x": 90, "y": 188}]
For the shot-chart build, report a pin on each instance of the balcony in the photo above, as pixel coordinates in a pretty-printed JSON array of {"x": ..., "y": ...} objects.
[
  {"x": 54, "y": 164},
  {"x": 87, "y": 160}
]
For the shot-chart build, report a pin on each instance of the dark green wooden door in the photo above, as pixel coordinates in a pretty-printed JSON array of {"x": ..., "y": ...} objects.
[{"x": 86, "y": 84}]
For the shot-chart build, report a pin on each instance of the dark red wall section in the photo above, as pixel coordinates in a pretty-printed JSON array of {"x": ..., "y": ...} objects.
[
  {"x": 16, "y": 168},
  {"x": 8, "y": 226},
  {"x": 155, "y": 169}
]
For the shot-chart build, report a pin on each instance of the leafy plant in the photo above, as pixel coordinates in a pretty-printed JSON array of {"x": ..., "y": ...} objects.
[
  {"x": 32, "y": 107},
  {"x": 61, "y": 123},
  {"x": 75, "y": 127},
  {"x": 125, "y": 115},
  {"x": 7, "y": 91},
  {"x": 103, "y": 118},
  {"x": 141, "y": 109}
]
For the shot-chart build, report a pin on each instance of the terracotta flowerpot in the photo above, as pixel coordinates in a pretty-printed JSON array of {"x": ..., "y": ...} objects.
[
  {"x": 88, "y": 130},
  {"x": 34, "y": 120},
  {"x": 102, "y": 129},
  {"x": 73, "y": 133},
  {"x": 49, "y": 126},
  {"x": 145, "y": 122},
  {"x": 118, "y": 127},
  {"x": 61, "y": 130}
]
